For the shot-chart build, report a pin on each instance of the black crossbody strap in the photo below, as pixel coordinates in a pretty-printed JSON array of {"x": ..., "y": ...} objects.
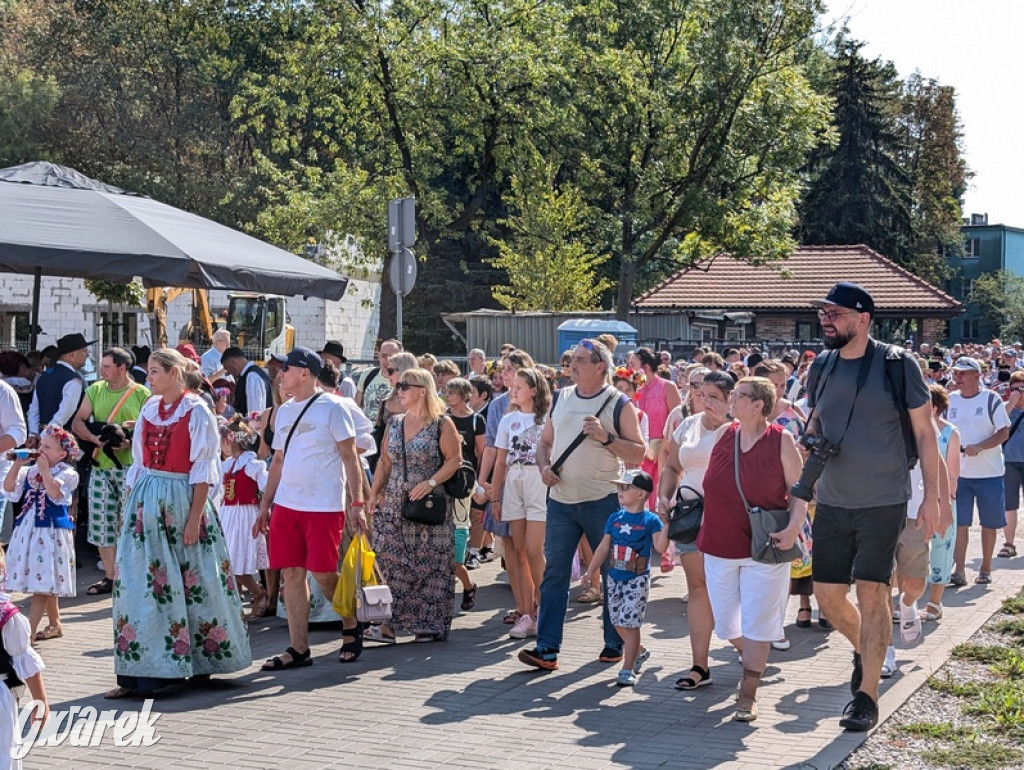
[
  {"x": 736, "y": 466},
  {"x": 1013, "y": 428},
  {"x": 556, "y": 466},
  {"x": 295, "y": 424}
]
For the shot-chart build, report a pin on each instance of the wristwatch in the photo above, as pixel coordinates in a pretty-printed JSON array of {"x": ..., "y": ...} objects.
[
  {"x": 431, "y": 483},
  {"x": 611, "y": 438}
]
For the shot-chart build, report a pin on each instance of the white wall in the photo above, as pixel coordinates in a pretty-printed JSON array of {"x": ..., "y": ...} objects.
[{"x": 66, "y": 307}]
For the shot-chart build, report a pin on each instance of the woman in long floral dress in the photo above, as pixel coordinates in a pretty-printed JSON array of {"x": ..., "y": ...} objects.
[
  {"x": 177, "y": 611},
  {"x": 417, "y": 560}
]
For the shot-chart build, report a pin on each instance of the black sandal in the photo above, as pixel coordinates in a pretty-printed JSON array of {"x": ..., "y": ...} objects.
[
  {"x": 353, "y": 648},
  {"x": 104, "y": 586},
  {"x": 803, "y": 623},
  {"x": 689, "y": 682},
  {"x": 298, "y": 660},
  {"x": 469, "y": 598}
]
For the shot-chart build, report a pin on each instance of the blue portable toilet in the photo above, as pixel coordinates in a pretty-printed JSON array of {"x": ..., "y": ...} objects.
[{"x": 575, "y": 329}]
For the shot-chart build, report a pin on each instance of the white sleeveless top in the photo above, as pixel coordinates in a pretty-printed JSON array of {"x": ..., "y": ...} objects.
[{"x": 589, "y": 471}]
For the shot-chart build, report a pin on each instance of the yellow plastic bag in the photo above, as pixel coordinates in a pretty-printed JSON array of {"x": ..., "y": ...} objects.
[{"x": 344, "y": 601}]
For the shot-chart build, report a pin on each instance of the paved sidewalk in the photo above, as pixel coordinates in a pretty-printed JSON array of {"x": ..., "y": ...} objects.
[{"x": 470, "y": 703}]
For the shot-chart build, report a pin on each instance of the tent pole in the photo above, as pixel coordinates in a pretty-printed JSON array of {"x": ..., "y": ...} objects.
[{"x": 34, "y": 320}]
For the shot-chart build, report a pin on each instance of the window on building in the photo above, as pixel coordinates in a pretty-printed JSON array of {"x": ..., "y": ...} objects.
[
  {"x": 969, "y": 329},
  {"x": 704, "y": 332},
  {"x": 808, "y": 330},
  {"x": 117, "y": 329},
  {"x": 972, "y": 247},
  {"x": 735, "y": 333},
  {"x": 14, "y": 330}
]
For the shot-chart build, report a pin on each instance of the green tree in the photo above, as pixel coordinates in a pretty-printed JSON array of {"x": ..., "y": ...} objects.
[
  {"x": 691, "y": 120},
  {"x": 860, "y": 192},
  {"x": 125, "y": 294},
  {"x": 999, "y": 297},
  {"x": 546, "y": 261},
  {"x": 933, "y": 154}
]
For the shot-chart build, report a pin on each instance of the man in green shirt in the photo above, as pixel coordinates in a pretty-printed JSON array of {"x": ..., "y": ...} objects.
[{"x": 117, "y": 399}]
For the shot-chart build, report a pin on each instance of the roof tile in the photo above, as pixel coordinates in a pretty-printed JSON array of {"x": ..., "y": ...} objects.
[{"x": 806, "y": 275}]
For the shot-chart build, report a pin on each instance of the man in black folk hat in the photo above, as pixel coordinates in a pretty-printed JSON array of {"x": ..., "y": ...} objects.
[{"x": 60, "y": 389}]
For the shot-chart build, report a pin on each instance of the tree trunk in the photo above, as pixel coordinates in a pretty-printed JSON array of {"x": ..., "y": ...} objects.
[{"x": 624, "y": 298}]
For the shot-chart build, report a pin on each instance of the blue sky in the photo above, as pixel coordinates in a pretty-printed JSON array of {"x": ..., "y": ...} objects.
[{"x": 977, "y": 47}]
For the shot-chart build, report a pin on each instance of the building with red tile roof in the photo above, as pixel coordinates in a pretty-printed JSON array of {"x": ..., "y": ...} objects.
[{"x": 728, "y": 298}]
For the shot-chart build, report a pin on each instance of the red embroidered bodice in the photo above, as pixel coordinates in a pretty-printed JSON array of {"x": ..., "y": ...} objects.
[
  {"x": 240, "y": 488},
  {"x": 168, "y": 447}
]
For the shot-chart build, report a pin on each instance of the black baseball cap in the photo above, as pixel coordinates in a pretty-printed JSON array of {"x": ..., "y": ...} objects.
[
  {"x": 638, "y": 479},
  {"x": 849, "y": 295},
  {"x": 302, "y": 358}
]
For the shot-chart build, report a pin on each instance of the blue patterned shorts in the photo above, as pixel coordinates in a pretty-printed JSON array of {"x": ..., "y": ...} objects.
[{"x": 627, "y": 600}]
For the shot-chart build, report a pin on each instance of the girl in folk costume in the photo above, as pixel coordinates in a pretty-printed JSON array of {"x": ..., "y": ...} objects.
[
  {"x": 177, "y": 612},
  {"x": 20, "y": 666},
  {"x": 245, "y": 478},
  {"x": 42, "y": 547}
]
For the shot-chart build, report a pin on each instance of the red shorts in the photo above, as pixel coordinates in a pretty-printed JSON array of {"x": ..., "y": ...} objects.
[{"x": 308, "y": 539}]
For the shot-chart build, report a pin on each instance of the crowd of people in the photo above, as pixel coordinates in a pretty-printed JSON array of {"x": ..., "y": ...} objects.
[{"x": 210, "y": 483}]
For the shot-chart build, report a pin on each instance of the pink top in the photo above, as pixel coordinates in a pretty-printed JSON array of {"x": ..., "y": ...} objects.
[{"x": 651, "y": 400}]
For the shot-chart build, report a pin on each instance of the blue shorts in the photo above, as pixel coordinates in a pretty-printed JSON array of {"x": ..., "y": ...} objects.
[{"x": 989, "y": 494}]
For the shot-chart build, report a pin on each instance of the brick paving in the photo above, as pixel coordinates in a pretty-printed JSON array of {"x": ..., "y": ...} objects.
[{"x": 469, "y": 703}]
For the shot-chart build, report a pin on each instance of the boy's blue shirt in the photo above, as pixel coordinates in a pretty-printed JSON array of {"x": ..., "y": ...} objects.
[{"x": 632, "y": 536}]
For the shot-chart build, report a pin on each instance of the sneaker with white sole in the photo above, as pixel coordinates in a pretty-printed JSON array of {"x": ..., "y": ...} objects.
[
  {"x": 889, "y": 666},
  {"x": 910, "y": 623},
  {"x": 781, "y": 644},
  {"x": 626, "y": 678},
  {"x": 524, "y": 627}
]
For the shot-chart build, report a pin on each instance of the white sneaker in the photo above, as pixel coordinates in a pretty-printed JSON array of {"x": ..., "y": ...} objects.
[
  {"x": 524, "y": 627},
  {"x": 781, "y": 644},
  {"x": 889, "y": 666},
  {"x": 910, "y": 623}
]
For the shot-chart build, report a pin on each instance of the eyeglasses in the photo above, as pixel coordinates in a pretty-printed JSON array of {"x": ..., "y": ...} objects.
[
  {"x": 391, "y": 370},
  {"x": 696, "y": 385},
  {"x": 404, "y": 386},
  {"x": 831, "y": 315},
  {"x": 741, "y": 394}
]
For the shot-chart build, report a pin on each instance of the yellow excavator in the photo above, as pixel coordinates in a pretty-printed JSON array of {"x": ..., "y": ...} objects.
[{"x": 258, "y": 323}]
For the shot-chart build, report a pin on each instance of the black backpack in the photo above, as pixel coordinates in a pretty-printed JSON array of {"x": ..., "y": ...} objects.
[{"x": 894, "y": 383}]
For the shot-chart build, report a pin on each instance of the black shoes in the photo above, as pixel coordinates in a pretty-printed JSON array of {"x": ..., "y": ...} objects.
[
  {"x": 860, "y": 714},
  {"x": 857, "y": 676}
]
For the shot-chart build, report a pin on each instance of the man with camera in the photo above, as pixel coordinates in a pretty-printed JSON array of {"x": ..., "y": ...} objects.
[
  {"x": 110, "y": 403},
  {"x": 869, "y": 407}
]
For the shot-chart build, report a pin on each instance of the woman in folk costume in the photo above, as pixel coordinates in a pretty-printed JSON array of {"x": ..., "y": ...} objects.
[
  {"x": 177, "y": 611},
  {"x": 20, "y": 667}
]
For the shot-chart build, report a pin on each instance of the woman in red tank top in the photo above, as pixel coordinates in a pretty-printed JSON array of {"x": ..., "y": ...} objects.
[{"x": 747, "y": 596}]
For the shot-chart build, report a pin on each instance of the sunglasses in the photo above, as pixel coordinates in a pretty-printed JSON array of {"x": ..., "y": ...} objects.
[
  {"x": 391, "y": 370},
  {"x": 286, "y": 366},
  {"x": 696, "y": 385},
  {"x": 404, "y": 386}
]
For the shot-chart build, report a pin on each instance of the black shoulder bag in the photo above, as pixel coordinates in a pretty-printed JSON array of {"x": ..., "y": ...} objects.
[
  {"x": 298, "y": 419},
  {"x": 686, "y": 516},
  {"x": 556, "y": 466},
  {"x": 432, "y": 509}
]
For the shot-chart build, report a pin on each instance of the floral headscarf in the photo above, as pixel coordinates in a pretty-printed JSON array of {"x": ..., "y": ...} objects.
[{"x": 66, "y": 440}]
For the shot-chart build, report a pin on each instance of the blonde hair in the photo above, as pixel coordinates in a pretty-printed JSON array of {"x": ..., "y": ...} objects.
[
  {"x": 761, "y": 389},
  {"x": 169, "y": 359},
  {"x": 432, "y": 403}
]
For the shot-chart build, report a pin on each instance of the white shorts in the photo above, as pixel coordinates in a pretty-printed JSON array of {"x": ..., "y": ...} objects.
[
  {"x": 747, "y": 597},
  {"x": 524, "y": 495}
]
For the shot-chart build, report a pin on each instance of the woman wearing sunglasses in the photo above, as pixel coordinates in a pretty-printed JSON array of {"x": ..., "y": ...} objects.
[
  {"x": 422, "y": 449},
  {"x": 392, "y": 404}
]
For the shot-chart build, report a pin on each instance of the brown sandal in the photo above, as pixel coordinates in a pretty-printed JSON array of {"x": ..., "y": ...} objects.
[
  {"x": 50, "y": 632},
  {"x": 119, "y": 692},
  {"x": 259, "y": 608}
]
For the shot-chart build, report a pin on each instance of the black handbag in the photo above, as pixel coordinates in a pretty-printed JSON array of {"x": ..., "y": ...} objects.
[
  {"x": 686, "y": 517},
  {"x": 431, "y": 509},
  {"x": 763, "y": 524}
]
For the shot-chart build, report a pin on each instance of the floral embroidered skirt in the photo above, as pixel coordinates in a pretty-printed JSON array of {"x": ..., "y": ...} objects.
[
  {"x": 41, "y": 560},
  {"x": 177, "y": 610}
]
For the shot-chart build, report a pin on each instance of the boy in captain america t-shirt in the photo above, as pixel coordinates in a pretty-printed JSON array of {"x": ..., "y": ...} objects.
[{"x": 629, "y": 536}]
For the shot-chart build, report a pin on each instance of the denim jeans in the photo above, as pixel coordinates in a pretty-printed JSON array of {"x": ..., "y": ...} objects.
[{"x": 566, "y": 523}]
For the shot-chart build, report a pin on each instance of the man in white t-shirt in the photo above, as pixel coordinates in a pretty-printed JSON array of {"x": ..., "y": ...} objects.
[
  {"x": 303, "y": 508},
  {"x": 984, "y": 426}
]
